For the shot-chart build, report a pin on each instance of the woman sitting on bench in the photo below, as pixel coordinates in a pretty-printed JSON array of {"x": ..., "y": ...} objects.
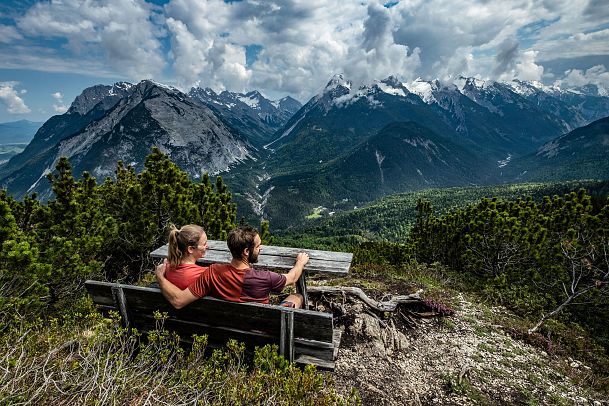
[
  {"x": 186, "y": 245},
  {"x": 237, "y": 281}
]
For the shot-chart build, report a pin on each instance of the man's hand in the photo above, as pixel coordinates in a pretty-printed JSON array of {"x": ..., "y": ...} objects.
[
  {"x": 301, "y": 260},
  {"x": 160, "y": 269},
  {"x": 178, "y": 298}
]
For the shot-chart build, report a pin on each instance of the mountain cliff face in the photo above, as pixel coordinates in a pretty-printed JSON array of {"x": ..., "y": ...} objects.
[
  {"x": 253, "y": 115},
  {"x": 580, "y": 154},
  {"x": 105, "y": 125},
  {"x": 93, "y": 104}
]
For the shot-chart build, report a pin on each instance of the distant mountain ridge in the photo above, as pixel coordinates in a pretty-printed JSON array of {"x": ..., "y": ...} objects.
[
  {"x": 581, "y": 154},
  {"x": 18, "y": 132},
  {"x": 251, "y": 113}
]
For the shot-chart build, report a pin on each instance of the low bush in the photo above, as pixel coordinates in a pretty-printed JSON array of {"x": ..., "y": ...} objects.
[{"x": 89, "y": 360}]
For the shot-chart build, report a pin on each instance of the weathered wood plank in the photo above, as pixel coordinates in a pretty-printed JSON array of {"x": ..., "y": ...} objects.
[
  {"x": 286, "y": 339},
  {"x": 336, "y": 342},
  {"x": 100, "y": 292},
  {"x": 319, "y": 363},
  {"x": 121, "y": 303},
  {"x": 281, "y": 263},
  {"x": 301, "y": 287},
  {"x": 270, "y": 250},
  {"x": 248, "y": 316}
]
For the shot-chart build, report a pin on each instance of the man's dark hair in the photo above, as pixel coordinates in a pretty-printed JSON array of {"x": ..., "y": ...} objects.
[{"x": 241, "y": 238}]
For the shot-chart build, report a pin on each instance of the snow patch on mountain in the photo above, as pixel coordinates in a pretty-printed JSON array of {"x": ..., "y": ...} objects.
[
  {"x": 423, "y": 89},
  {"x": 251, "y": 101},
  {"x": 504, "y": 162},
  {"x": 385, "y": 88},
  {"x": 337, "y": 81}
]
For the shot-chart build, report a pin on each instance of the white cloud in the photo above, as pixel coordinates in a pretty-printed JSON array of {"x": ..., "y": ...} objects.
[
  {"x": 378, "y": 56},
  {"x": 304, "y": 42},
  {"x": 122, "y": 33},
  {"x": 597, "y": 75},
  {"x": 14, "y": 103},
  {"x": 527, "y": 69},
  {"x": 9, "y": 34},
  {"x": 59, "y": 107}
]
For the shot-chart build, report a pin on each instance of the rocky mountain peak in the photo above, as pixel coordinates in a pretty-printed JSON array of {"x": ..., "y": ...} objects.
[
  {"x": 288, "y": 104},
  {"x": 91, "y": 96},
  {"x": 338, "y": 81},
  {"x": 392, "y": 81}
]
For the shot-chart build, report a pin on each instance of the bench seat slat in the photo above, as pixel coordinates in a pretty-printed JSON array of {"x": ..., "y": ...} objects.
[{"x": 320, "y": 363}]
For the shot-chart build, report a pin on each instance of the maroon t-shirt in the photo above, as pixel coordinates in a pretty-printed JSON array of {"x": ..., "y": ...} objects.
[{"x": 223, "y": 281}]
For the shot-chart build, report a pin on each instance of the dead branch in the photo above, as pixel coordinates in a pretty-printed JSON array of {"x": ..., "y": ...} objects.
[{"x": 384, "y": 306}]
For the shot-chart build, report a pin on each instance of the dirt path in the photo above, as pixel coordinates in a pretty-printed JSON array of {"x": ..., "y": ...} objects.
[{"x": 459, "y": 360}]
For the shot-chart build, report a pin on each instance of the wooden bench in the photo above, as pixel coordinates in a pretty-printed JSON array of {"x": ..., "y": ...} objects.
[
  {"x": 303, "y": 336},
  {"x": 279, "y": 258}
]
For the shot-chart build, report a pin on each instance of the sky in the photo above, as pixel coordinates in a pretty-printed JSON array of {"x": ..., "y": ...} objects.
[{"x": 51, "y": 50}]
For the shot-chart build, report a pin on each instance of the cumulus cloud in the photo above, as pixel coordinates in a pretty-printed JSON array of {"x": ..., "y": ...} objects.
[
  {"x": 14, "y": 104},
  {"x": 122, "y": 33},
  {"x": 379, "y": 56},
  {"x": 505, "y": 60},
  {"x": 59, "y": 106},
  {"x": 527, "y": 69},
  {"x": 301, "y": 43},
  {"x": 597, "y": 75},
  {"x": 511, "y": 63}
]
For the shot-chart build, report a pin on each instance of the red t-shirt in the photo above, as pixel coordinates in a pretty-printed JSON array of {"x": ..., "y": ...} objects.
[
  {"x": 184, "y": 274},
  {"x": 223, "y": 281}
]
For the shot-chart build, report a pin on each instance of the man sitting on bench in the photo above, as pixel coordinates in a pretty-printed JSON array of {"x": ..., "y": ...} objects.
[{"x": 237, "y": 281}]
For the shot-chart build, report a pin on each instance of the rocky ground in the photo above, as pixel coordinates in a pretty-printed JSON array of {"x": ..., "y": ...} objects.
[{"x": 462, "y": 359}]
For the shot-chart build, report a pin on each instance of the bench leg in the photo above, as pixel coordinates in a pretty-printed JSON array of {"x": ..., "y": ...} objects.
[
  {"x": 301, "y": 287},
  {"x": 121, "y": 304},
  {"x": 286, "y": 337}
]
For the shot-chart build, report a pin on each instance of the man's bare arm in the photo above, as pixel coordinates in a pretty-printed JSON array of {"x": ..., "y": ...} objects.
[
  {"x": 174, "y": 295},
  {"x": 292, "y": 276}
]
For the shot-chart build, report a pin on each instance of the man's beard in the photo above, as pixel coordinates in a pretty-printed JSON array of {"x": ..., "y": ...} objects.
[{"x": 252, "y": 258}]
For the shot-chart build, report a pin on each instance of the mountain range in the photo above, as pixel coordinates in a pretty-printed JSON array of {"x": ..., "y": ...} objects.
[
  {"x": 123, "y": 122},
  {"x": 347, "y": 146},
  {"x": 344, "y": 147},
  {"x": 14, "y": 136},
  {"x": 18, "y": 132}
]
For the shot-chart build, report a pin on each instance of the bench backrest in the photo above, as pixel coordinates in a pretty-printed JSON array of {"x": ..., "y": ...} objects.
[
  {"x": 252, "y": 323},
  {"x": 274, "y": 257}
]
